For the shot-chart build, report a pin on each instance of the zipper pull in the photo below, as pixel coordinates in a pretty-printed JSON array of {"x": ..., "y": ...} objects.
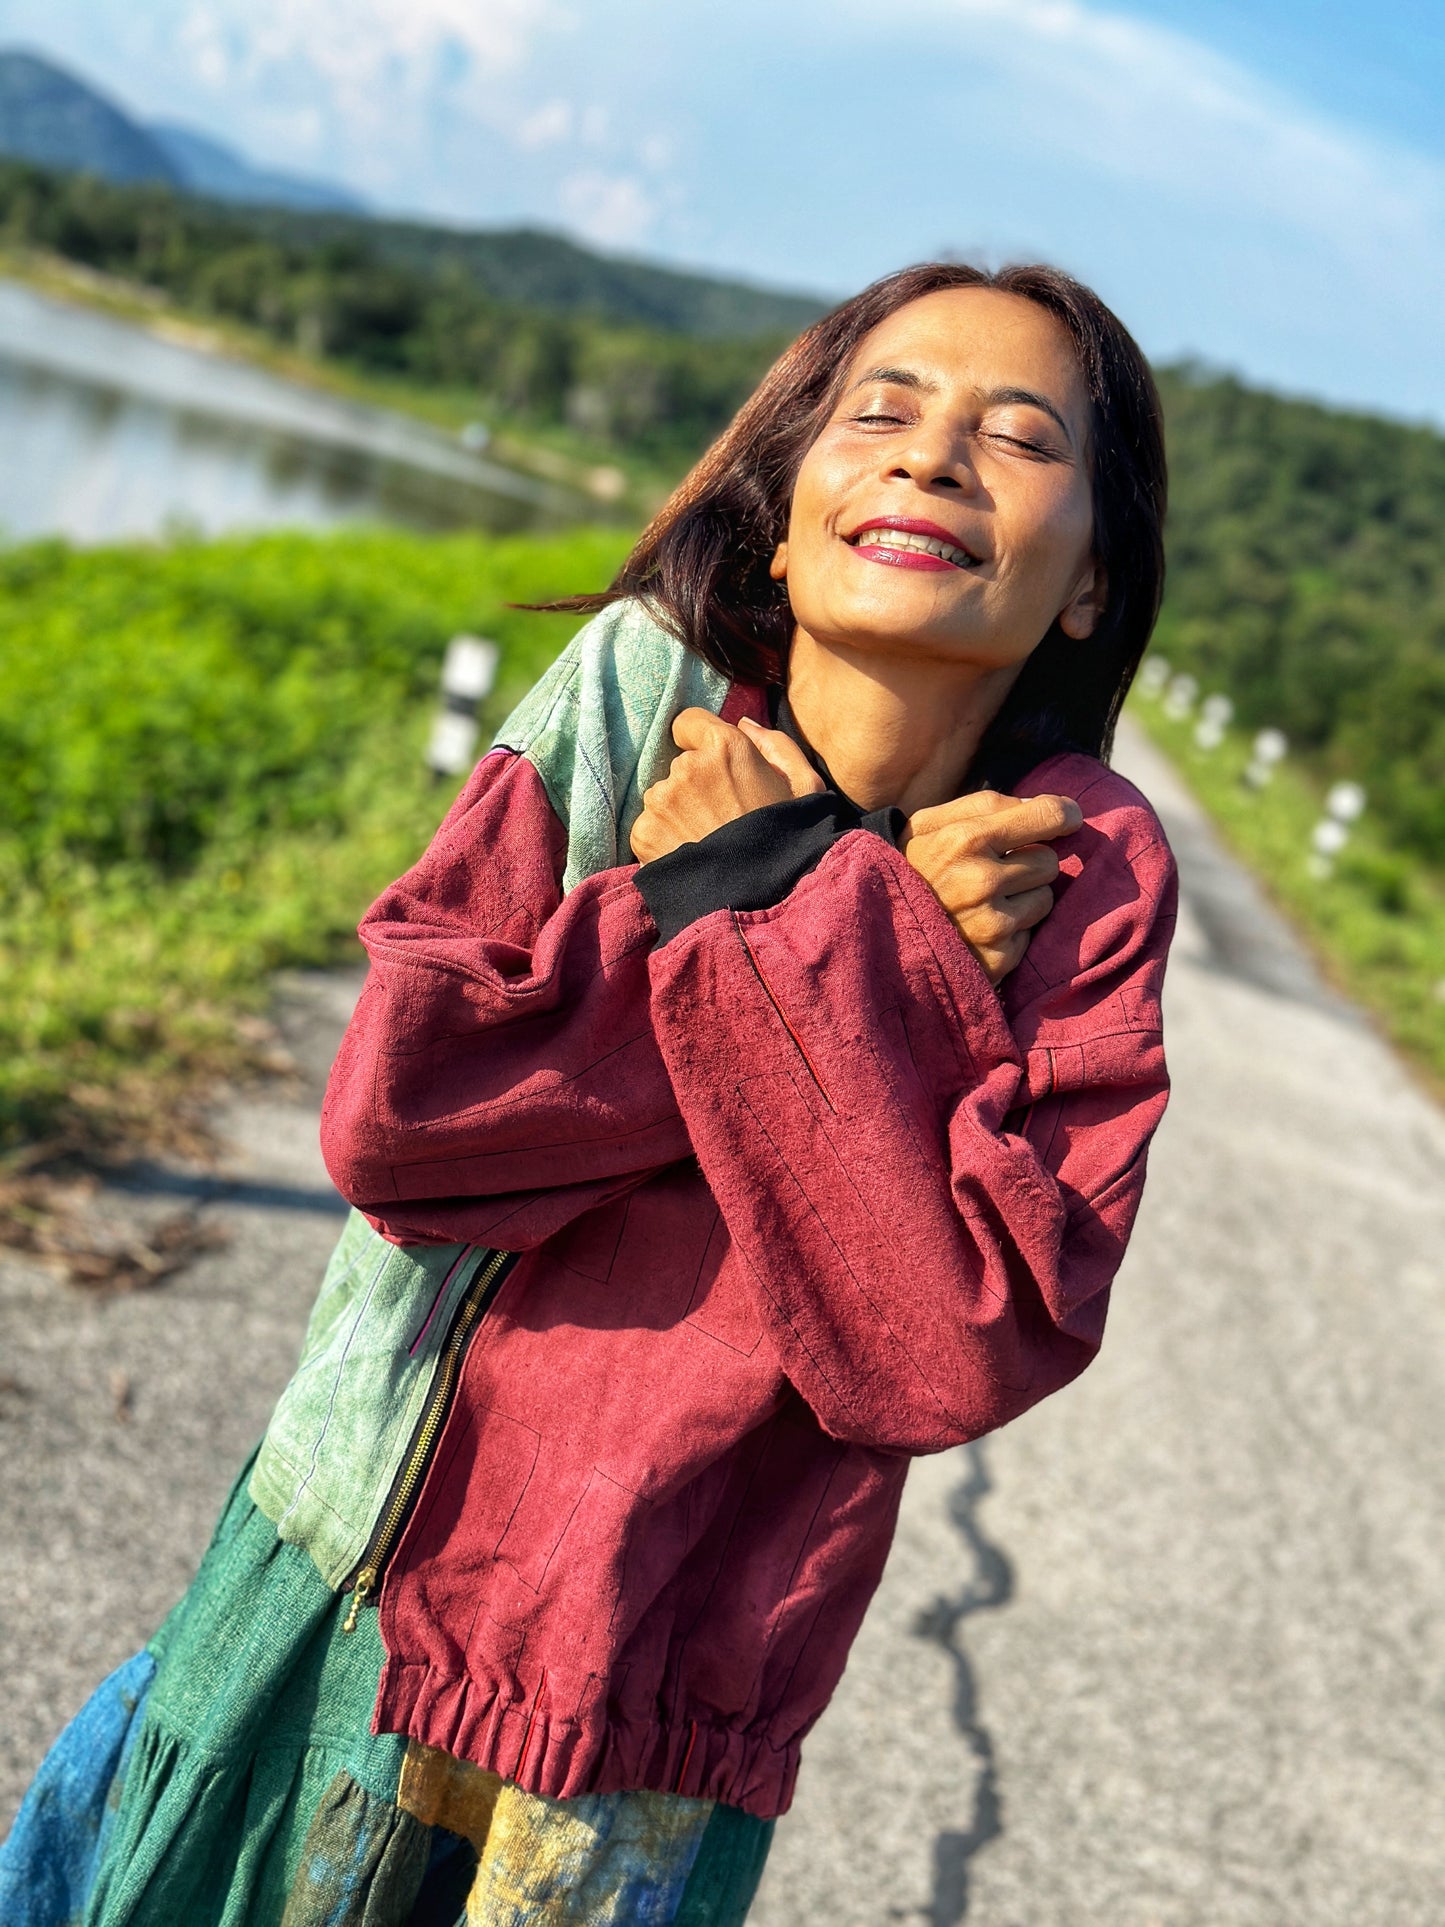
[{"x": 360, "y": 1594}]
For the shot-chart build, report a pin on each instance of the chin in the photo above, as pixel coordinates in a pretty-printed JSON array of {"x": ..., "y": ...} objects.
[{"x": 897, "y": 630}]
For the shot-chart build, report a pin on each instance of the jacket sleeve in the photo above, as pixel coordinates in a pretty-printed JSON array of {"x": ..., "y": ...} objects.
[
  {"x": 500, "y": 1075},
  {"x": 931, "y": 1194}
]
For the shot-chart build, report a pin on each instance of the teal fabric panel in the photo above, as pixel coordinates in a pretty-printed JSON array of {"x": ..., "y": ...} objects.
[
  {"x": 725, "y": 1875},
  {"x": 258, "y": 1703},
  {"x": 598, "y": 728},
  {"x": 343, "y": 1423}
]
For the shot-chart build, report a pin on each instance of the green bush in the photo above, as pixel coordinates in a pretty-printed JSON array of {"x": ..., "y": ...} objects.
[{"x": 210, "y": 761}]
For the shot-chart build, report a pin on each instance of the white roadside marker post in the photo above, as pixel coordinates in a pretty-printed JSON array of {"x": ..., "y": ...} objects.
[
  {"x": 1344, "y": 805},
  {"x": 1153, "y": 675},
  {"x": 1179, "y": 697},
  {"x": 1216, "y": 713},
  {"x": 468, "y": 670},
  {"x": 1270, "y": 747}
]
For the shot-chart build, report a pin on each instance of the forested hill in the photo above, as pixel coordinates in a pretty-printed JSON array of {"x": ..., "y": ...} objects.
[
  {"x": 54, "y": 119},
  {"x": 534, "y": 329},
  {"x": 1307, "y": 580},
  {"x": 530, "y": 268}
]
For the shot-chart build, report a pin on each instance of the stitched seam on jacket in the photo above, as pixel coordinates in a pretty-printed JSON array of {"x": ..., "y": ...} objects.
[
  {"x": 864, "y": 1294},
  {"x": 767, "y": 988},
  {"x": 400, "y": 954},
  {"x": 336, "y": 1388},
  {"x": 274, "y": 1451}
]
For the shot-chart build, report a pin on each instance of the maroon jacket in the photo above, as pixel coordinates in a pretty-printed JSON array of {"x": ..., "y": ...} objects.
[{"x": 798, "y": 1194}]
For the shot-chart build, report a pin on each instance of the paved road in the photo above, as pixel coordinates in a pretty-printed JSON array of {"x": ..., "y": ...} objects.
[{"x": 1167, "y": 1653}]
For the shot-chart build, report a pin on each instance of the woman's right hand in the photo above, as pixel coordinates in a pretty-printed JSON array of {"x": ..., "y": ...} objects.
[{"x": 987, "y": 859}]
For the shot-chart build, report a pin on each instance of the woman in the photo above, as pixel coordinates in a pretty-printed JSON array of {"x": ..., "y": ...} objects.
[{"x": 693, "y": 1198}]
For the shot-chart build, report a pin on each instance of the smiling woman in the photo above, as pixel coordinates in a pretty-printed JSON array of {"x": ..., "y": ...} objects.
[
  {"x": 695, "y": 1195},
  {"x": 1079, "y": 399}
]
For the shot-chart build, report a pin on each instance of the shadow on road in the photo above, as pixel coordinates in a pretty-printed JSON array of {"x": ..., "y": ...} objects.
[
  {"x": 989, "y": 1585},
  {"x": 155, "y": 1180}
]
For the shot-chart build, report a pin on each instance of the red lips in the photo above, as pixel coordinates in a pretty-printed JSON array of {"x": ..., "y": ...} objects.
[
  {"x": 910, "y": 525},
  {"x": 907, "y": 558}
]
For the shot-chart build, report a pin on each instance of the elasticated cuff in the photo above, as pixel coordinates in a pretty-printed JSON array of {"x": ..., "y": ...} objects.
[{"x": 754, "y": 861}]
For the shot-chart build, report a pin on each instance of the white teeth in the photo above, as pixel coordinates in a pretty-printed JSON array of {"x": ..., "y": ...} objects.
[{"x": 923, "y": 544}]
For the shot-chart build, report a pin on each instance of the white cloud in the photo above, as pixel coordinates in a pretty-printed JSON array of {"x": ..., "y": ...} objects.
[
  {"x": 614, "y": 210},
  {"x": 551, "y": 124},
  {"x": 1143, "y": 104},
  {"x": 349, "y": 37},
  {"x": 374, "y": 70}
]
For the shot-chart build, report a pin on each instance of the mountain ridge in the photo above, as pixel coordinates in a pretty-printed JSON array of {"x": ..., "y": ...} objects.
[
  {"x": 51, "y": 118},
  {"x": 212, "y": 168}
]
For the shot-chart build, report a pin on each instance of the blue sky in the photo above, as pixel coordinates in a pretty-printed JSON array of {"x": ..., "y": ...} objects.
[{"x": 1259, "y": 185}]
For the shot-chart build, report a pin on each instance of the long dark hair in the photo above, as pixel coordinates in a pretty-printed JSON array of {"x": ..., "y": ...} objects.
[{"x": 701, "y": 565}]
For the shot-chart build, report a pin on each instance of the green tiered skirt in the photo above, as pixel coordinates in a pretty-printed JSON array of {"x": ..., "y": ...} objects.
[{"x": 228, "y": 1777}]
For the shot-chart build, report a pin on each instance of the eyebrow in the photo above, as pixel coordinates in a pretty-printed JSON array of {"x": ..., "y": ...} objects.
[
  {"x": 995, "y": 398},
  {"x": 900, "y": 378},
  {"x": 1027, "y": 398}
]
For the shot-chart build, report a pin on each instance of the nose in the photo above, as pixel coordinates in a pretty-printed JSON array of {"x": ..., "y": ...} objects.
[{"x": 935, "y": 457}]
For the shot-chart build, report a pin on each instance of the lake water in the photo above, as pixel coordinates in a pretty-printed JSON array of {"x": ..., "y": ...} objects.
[{"x": 109, "y": 430}]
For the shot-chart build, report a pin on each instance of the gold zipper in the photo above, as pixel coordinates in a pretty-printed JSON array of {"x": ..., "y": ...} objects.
[{"x": 383, "y": 1542}]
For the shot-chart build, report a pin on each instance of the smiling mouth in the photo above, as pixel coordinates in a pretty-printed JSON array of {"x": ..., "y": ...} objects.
[{"x": 884, "y": 540}]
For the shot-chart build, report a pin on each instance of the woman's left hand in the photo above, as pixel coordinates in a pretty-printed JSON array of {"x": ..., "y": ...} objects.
[{"x": 721, "y": 774}]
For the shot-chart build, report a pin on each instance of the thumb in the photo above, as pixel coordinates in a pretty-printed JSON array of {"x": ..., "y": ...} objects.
[{"x": 785, "y": 756}]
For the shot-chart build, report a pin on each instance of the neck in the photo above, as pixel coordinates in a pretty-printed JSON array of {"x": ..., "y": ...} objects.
[{"x": 891, "y": 729}]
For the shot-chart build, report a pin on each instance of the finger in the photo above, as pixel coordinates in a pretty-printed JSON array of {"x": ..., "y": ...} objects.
[
  {"x": 959, "y": 809},
  {"x": 1008, "y": 956},
  {"x": 779, "y": 749},
  {"x": 1028, "y": 867},
  {"x": 1003, "y": 821},
  {"x": 1028, "y": 908},
  {"x": 698, "y": 728},
  {"x": 1039, "y": 819},
  {"x": 1031, "y": 819}
]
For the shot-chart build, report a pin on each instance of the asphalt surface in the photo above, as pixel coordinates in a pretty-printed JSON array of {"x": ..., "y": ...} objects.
[{"x": 1169, "y": 1652}]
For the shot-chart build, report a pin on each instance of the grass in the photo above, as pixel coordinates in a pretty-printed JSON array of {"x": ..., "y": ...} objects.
[
  {"x": 210, "y": 762},
  {"x": 1377, "y": 923}
]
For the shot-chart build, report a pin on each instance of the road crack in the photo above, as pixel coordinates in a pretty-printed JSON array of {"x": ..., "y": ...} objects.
[{"x": 988, "y": 1585}]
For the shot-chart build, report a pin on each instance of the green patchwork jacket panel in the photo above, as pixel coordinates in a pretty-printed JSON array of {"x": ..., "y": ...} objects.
[{"x": 342, "y": 1425}]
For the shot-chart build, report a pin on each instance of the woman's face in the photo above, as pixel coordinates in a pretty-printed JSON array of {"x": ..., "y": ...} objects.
[{"x": 945, "y": 510}]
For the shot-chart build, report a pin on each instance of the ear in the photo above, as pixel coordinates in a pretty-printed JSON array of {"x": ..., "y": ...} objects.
[
  {"x": 778, "y": 567},
  {"x": 1080, "y": 615}
]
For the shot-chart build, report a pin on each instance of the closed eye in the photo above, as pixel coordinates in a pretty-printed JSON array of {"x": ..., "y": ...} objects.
[{"x": 1021, "y": 441}]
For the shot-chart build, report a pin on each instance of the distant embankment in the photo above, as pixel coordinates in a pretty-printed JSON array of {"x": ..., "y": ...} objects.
[
  {"x": 535, "y": 332},
  {"x": 115, "y": 430}
]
